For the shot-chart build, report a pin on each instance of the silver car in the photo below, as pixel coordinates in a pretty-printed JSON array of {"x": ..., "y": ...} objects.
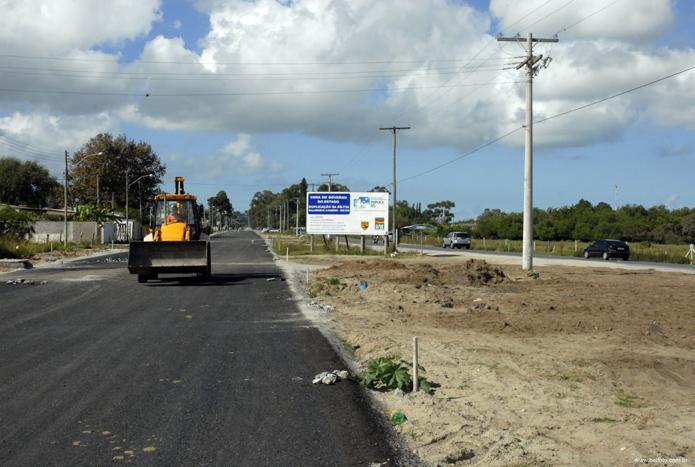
[{"x": 457, "y": 240}]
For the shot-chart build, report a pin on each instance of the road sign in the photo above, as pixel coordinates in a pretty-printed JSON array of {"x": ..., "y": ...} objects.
[{"x": 342, "y": 213}]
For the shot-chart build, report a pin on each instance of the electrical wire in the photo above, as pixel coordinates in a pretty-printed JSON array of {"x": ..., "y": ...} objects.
[
  {"x": 576, "y": 109},
  {"x": 228, "y": 94},
  {"x": 613, "y": 96},
  {"x": 208, "y": 74},
  {"x": 549, "y": 14},
  {"x": 587, "y": 17},
  {"x": 245, "y": 63}
]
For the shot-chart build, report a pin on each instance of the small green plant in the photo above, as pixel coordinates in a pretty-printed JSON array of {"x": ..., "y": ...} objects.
[
  {"x": 398, "y": 418},
  {"x": 390, "y": 372},
  {"x": 626, "y": 400}
]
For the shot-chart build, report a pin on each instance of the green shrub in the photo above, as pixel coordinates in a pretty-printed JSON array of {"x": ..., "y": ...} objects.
[
  {"x": 15, "y": 225},
  {"x": 389, "y": 372}
]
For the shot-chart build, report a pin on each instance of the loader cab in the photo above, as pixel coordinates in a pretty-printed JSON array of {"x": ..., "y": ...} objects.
[{"x": 183, "y": 209}]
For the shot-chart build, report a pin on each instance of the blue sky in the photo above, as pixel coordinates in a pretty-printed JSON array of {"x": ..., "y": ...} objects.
[{"x": 247, "y": 96}]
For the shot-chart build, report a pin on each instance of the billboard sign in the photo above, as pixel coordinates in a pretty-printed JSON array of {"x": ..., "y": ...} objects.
[{"x": 339, "y": 213}]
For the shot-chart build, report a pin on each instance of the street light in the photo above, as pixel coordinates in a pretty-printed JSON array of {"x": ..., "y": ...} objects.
[
  {"x": 65, "y": 194},
  {"x": 127, "y": 188}
]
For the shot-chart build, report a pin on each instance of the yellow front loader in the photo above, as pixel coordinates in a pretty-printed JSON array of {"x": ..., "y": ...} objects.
[{"x": 176, "y": 242}]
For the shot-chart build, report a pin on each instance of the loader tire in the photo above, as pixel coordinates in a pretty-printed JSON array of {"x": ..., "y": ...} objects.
[{"x": 142, "y": 278}]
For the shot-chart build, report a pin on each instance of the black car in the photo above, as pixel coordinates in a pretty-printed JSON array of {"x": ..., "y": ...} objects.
[{"x": 607, "y": 249}]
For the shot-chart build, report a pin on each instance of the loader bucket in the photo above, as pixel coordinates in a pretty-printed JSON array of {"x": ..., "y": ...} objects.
[{"x": 152, "y": 258}]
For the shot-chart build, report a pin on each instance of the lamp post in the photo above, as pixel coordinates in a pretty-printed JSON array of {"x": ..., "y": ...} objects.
[
  {"x": 127, "y": 188},
  {"x": 65, "y": 194}
]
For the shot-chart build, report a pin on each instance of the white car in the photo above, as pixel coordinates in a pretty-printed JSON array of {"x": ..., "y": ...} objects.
[{"x": 457, "y": 240}]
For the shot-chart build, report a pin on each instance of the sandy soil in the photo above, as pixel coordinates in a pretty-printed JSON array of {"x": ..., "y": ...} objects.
[{"x": 580, "y": 366}]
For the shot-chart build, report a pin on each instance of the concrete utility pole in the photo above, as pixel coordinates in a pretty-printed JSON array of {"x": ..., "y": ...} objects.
[
  {"x": 65, "y": 199},
  {"x": 394, "y": 129},
  {"x": 330, "y": 180},
  {"x": 533, "y": 63}
]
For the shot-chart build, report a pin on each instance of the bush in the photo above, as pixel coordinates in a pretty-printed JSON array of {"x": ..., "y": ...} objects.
[
  {"x": 386, "y": 373},
  {"x": 15, "y": 225}
]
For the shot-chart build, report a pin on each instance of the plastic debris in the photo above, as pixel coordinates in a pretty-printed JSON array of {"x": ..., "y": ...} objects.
[
  {"x": 20, "y": 281},
  {"x": 363, "y": 287},
  {"x": 322, "y": 307},
  {"x": 333, "y": 377}
]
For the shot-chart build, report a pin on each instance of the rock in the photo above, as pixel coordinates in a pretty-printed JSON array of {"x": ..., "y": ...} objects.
[
  {"x": 341, "y": 374},
  {"x": 398, "y": 392}
]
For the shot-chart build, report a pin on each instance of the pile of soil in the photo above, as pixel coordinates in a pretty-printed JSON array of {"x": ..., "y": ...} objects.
[{"x": 472, "y": 272}]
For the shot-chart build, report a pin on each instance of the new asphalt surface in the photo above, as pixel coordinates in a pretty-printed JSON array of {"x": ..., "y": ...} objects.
[{"x": 97, "y": 369}]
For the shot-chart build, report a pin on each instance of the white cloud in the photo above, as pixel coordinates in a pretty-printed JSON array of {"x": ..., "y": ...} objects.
[
  {"x": 269, "y": 67},
  {"x": 634, "y": 20},
  {"x": 62, "y": 25},
  {"x": 241, "y": 156},
  {"x": 32, "y": 136}
]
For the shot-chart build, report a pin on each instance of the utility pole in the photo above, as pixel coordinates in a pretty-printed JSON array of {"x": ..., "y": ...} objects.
[
  {"x": 533, "y": 63},
  {"x": 394, "y": 129},
  {"x": 330, "y": 180},
  {"x": 296, "y": 230},
  {"x": 65, "y": 199}
]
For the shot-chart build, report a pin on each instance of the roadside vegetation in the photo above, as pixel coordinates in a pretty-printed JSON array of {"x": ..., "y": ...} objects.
[{"x": 301, "y": 246}]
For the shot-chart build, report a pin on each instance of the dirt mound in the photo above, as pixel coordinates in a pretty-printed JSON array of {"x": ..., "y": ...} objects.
[
  {"x": 474, "y": 272},
  {"x": 363, "y": 266},
  {"x": 470, "y": 273}
]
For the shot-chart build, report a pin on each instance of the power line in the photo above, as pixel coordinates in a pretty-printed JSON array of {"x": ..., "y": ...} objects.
[
  {"x": 549, "y": 14},
  {"x": 529, "y": 13},
  {"x": 219, "y": 94},
  {"x": 613, "y": 96},
  {"x": 493, "y": 141},
  {"x": 167, "y": 62},
  {"x": 210, "y": 74},
  {"x": 567, "y": 28}
]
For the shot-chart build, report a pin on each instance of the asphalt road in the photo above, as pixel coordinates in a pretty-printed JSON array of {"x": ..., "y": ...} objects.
[
  {"x": 96, "y": 368},
  {"x": 548, "y": 260}
]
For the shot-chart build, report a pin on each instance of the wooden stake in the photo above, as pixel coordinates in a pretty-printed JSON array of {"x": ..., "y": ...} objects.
[{"x": 415, "y": 359}]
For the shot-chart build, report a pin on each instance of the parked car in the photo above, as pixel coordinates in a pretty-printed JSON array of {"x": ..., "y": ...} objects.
[
  {"x": 607, "y": 249},
  {"x": 457, "y": 240}
]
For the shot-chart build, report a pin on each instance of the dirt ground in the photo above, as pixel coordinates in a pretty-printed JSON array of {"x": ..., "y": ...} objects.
[{"x": 579, "y": 366}]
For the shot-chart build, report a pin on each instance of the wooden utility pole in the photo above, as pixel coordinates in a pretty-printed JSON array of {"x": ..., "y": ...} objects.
[{"x": 533, "y": 63}]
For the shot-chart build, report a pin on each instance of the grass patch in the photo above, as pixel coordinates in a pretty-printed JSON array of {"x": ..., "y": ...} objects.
[
  {"x": 626, "y": 400},
  {"x": 350, "y": 349},
  {"x": 604, "y": 420},
  {"x": 327, "y": 287},
  {"x": 576, "y": 376},
  {"x": 639, "y": 251},
  {"x": 25, "y": 250},
  {"x": 301, "y": 246}
]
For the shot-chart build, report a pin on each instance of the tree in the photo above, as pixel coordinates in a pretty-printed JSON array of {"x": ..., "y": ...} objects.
[
  {"x": 440, "y": 212},
  {"x": 334, "y": 187},
  {"x": 220, "y": 202},
  {"x": 379, "y": 189},
  {"x": 688, "y": 228},
  {"x": 119, "y": 156},
  {"x": 25, "y": 182},
  {"x": 14, "y": 224}
]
